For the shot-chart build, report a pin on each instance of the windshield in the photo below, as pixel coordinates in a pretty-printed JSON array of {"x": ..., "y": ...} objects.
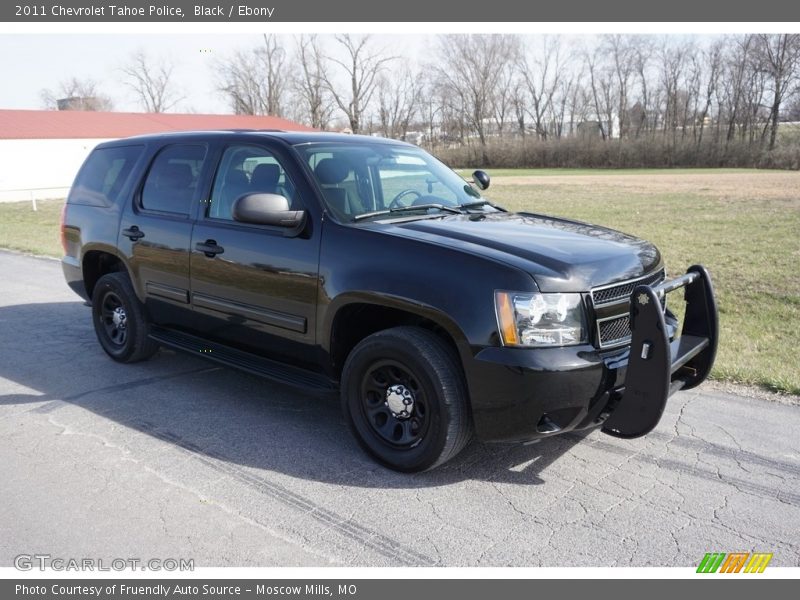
[{"x": 359, "y": 179}]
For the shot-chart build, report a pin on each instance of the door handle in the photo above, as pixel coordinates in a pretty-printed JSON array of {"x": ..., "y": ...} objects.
[
  {"x": 209, "y": 248},
  {"x": 133, "y": 233}
]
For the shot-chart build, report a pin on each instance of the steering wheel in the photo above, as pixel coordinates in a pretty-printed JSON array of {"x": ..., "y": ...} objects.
[{"x": 395, "y": 203}]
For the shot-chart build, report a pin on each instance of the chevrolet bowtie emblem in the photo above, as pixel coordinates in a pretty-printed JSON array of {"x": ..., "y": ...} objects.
[{"x": 643, "y": 298}]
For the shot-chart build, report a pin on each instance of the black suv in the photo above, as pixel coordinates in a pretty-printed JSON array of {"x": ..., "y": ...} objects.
[{"x": 365, "y": 266}]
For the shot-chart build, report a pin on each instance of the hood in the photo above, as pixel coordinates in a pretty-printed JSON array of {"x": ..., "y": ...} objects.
[{"x": 561, "y": 255}]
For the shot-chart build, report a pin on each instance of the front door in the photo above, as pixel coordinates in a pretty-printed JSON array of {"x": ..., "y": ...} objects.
[{"x": 253, "y": 287}]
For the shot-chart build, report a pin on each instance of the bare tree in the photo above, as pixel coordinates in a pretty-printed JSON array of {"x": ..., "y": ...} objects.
[
  {"x": 779, "y": 56},
  {"x": 152, "y": 81},
  {"x": 398, "y": 99},
  {"x": 646, "y": 117},
  {"x": 240, "y": 80},
  {"x": 692, "y": 84},
  {"x": 672, "y": 63},
  {"x": 431, "y": 110},
  {"x": 712, "y": 57},
  {"x": 362, "y": 67},
  {"x": 674, "y": 100},
  {"x": 621, "y": 50},
  {"x": 309, "y": 85},
  {"x": 578, "y": 104},
  {"x": 603, "y": 92},
  {"x": 505, "y": 95},
  {"x": 273, "y": 57},
  {"x": 560, "y": 103},
  {"x": 735, "y": 83},
  {"x": 563, "y": 80},
  {"x": 254, "y": 80},
  {"x": 76, "y": 94},
  {"x": 519, "y": 102},
  {"x": 469, "y": 68}
]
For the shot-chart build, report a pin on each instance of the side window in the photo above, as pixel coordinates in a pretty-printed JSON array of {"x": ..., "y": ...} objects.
[
  {"x": 345, "y": 182},
  {"x": 101, "y": 179},
  {"x": 247, "y": 170},
  {"x": 172, "y": 180}
]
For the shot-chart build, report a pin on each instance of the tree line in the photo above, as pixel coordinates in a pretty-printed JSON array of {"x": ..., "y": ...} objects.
[{"x": 513, "y": 100}]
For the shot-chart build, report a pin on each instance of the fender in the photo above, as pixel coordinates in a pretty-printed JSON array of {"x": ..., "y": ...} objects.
[
  {"x": 106, "y": 248},
  {"x": 426, "y": 311}
]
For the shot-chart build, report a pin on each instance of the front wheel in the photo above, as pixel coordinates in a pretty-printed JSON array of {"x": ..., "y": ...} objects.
[
  {"x": 404, "y": 397},
  {"x": 120, "y": 321}
]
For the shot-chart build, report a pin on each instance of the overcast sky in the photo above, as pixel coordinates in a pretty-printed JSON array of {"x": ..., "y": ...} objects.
[
  {"x": 32, "y": 62},
  {"x": 43, "y": 56}
]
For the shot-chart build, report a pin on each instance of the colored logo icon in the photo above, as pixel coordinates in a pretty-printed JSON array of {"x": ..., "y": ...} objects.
[{"x": 734, "y": 562}]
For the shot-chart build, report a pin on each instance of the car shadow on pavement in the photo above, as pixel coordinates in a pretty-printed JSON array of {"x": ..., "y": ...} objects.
[{"x": 228, "y": 419}]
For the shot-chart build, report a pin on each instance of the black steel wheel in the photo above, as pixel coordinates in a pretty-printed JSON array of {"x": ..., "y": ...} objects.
[
  {"x": 120, "y": 321},
  {"x": 114, "y": 319},
  {"x": 394, "y": 404},
  {"x": 404, "y": 398}
]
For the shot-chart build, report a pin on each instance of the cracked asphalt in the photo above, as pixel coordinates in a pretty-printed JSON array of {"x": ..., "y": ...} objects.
[{"x": 179, "y": 458}]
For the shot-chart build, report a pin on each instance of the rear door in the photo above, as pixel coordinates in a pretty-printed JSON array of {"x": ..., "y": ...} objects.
[
  {"x": 256, "y": 289},
  {"x": 156, "y": 229}
]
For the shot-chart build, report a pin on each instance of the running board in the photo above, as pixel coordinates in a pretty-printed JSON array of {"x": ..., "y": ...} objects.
[{"x": 245, "y": 361}]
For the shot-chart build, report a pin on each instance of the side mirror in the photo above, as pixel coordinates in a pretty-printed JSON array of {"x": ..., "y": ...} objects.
[
  {"x": 481, "y": 179},
  {"x": 268, "y": 209}
]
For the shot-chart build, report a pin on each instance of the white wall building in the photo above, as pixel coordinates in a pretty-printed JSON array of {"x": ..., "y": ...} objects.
[{"x": 41, "y": 151}]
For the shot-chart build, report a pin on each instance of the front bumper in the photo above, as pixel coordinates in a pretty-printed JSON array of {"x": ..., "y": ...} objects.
[{"x": 520, "y": 394}]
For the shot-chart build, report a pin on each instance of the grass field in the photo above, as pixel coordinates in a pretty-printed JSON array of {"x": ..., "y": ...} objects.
[
  {"x": 601, "y": 172},
  {"x": 744, "y": 225},
  {"x": 26, "y": 230}
]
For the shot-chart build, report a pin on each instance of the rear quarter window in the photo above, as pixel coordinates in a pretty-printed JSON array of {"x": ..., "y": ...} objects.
[{"x": 102, "y": 177}]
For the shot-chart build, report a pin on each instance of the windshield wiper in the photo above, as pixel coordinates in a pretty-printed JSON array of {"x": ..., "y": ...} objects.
[{"x": 398, "y": 209}]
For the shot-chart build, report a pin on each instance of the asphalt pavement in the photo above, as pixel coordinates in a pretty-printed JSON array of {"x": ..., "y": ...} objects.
[{"x": 179, "y": 458}]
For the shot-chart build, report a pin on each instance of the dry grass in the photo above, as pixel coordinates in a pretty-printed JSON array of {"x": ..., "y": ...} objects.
[
  {"x": 26, "y": 230},
  {"x": 733, "y": 185}
]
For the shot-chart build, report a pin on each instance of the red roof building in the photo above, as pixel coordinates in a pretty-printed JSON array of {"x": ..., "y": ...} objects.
[
  {"x": 75, "y": 124},
  {"x": 41, "y": 150}
]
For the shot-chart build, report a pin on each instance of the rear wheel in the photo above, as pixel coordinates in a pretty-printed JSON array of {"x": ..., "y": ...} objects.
[
  {"x": 404, "y": 398},
  {"x": 120, "y": 321}
]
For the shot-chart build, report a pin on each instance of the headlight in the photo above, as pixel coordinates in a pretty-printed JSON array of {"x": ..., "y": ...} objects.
[{"x": 532, "y": 319}]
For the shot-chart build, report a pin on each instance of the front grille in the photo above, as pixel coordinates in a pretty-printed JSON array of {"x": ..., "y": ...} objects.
[
  {"x": 622, "y": 291},
  {"x": 614, "y": 330}
]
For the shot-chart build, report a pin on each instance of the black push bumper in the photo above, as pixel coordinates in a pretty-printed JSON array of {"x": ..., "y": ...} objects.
[
  {"x": 658, "y": 367},
  {"x": 520, "y": 394}
]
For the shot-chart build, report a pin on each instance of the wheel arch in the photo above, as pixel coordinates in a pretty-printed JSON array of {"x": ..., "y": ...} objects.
[
  {"x": 356, "y": 316},
  {"x": 97, "y": 261}
]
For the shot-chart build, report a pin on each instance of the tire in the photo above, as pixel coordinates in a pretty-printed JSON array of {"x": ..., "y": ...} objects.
[
  {"x": 120, "y": 321},
  {"x": 404, "y": 398}
]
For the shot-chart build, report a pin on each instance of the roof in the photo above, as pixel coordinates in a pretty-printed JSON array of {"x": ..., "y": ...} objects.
[
  {"x": 70, "y": 124},
  {"x": 291, "y": 137},
  {"x": 309, "y": 137}
]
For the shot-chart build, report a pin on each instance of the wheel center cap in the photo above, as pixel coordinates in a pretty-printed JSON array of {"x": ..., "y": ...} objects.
[
  {"x": 400, "y": 401},
  {"x": 119, "y": 317}
]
